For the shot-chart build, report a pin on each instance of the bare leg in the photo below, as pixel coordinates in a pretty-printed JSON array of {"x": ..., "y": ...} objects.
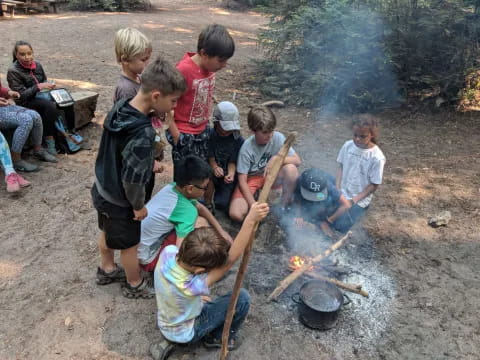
[
  {"x": 107, "y": 262},
  {"x": 288, "y": 175},
  {"x": 238, "y": 209},
  {"x": 129, "y": 260}
]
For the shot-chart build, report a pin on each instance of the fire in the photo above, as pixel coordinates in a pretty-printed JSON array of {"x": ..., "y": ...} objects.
[{"x": 296, "y": 262}]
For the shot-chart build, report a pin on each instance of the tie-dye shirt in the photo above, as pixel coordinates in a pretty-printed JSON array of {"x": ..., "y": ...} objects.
[{"x": 178, "y": 294}]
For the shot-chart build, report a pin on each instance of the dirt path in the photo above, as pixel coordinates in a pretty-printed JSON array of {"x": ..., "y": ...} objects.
[{"x": 424, "y": 282}]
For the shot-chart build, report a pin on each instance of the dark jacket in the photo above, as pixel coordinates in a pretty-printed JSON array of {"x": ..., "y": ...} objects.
[
  {"x": 21, "y": 80},
  {"x": 125, "y": 157}
]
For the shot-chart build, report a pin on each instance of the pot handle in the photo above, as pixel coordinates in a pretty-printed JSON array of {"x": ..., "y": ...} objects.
[
  {"x": 296, "y": 298},
  {"x": 348, "y": 300}
]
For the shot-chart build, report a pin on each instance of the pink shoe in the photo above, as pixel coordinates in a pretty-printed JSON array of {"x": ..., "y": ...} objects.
[
  {"x": 22, "y": 182},
  {"x": 12, "y": 183}
]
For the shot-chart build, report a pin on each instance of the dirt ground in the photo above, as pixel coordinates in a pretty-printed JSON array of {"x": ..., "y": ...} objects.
[{"x": 423, "y": 282}]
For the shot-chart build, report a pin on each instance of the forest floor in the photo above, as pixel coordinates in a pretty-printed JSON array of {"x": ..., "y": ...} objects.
[{"x": 424, "y": 283}]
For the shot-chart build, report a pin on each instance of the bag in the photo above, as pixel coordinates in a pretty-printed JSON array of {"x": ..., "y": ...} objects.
[
  {"x": 66, "y": 141},
  {"x": 60, "y": 96}
]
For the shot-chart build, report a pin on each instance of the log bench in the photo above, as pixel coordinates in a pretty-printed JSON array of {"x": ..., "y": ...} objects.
[
  {"x": 85, "y": 105},
  {"x": 8, "y": 7}
]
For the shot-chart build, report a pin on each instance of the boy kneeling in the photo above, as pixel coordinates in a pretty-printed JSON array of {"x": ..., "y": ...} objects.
[{"x": 182, "y": 280}]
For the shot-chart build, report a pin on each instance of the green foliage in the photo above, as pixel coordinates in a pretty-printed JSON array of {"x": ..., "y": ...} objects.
[
  {"x": 110, "y": 5},
  {"x": 346, "y": 55}
]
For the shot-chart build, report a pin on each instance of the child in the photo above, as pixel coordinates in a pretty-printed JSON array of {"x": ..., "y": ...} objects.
[
  {"x": 359, "y": 172},
  {"x": 14, "y": 181},
  {"x": 132, "y": 50},
  {"x": 215, "y": 46},
  {"x": 317, "y": 200},
  {"x": 182, "y": 280},
  {"x": 123, "y": 167},
  {"x": 225, "y": 143},
  {"x": 255, "y": 158},
  {"x": 26, "y": 76},
  {"x": 174, "y": 212},
  {"x": 22, "y": 121}
]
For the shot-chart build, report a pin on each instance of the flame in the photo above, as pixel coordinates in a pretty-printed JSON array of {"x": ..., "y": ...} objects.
[{"x": 296, "y": 262}]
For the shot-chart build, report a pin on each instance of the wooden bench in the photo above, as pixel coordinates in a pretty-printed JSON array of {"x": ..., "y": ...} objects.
[
  {"x": 85, "y": 106},
  {"x": 8, "y": 7}
]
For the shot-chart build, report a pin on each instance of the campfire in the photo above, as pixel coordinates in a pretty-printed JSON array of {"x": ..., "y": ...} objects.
[{"x": 296, "y": 262}]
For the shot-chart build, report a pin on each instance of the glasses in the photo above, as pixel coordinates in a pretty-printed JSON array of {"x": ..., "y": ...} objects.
[{"x": 204, "y": 188}]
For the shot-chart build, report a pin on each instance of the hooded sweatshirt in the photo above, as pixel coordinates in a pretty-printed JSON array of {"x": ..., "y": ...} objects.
[{"x": 125, "y": 157}]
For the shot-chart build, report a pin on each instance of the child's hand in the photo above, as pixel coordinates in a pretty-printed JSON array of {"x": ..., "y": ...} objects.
[
  {"x": 299, "y": 222},
  {"x": 14, "y": 94},
  {"x": 46, "y": 85},
  {"x": 228, "y": 179},
  {"x": 258, "y": 211},
  {"x": 218, "y": 172},
  {"x": 327, "y": 230},
  {"x": 140, "y": 214},
  {"x": 169, "y": 119},
  {"x": 205, "y": 298},
  {"x": 3, "y": 102},
  {"x": 157, "y": 167}
]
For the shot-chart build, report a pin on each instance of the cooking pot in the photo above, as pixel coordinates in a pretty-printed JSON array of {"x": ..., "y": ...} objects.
[{"x": 319, "y": 303}]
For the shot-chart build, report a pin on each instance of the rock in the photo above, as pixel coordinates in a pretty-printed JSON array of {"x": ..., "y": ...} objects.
[
  {"x": 85, "y": 105},
  {"x": 69, "y": 323},
  {"x": 441, "y": 219}
]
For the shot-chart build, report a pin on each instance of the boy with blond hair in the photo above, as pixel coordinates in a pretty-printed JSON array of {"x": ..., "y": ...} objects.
[
  {"x": 123, "y": 168},
  {"x": 255, "y": 159},
  {"x": 132, "y": 51}
]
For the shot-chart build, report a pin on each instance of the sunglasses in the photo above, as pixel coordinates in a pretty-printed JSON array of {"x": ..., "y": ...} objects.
[{"x": 204, "y": 188}]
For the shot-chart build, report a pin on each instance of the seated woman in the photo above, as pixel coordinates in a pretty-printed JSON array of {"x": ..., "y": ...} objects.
[
  {"x": 22, "y": 121},
  {"x": 14, "y": 181},
  {"x": 26, "y": 76}
]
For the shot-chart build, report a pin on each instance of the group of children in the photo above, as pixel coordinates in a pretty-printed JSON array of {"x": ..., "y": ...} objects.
[
  {"x": 174, "y": 234},
  {"x": 27, "y": 110}
]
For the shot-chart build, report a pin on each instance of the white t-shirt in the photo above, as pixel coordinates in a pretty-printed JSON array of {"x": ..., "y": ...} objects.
[
  {"x": 253, "y": 158},
  {"x": 360, "y": 168}
]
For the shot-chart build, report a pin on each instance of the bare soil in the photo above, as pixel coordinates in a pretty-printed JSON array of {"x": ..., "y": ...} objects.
[{"x": 423, "y": 282}]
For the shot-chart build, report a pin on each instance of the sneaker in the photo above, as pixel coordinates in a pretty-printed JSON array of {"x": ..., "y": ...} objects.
[
  {"x": 210, "y": 343},
  {"x": 22, "y": 165},
  {"x": 22, "y": 182},
  {"x": 12, "y": 183},
  {"x": 143, "y": 290},
  {"x": 162, "y": 350},
  {"x": 44, "y": 155},
  {"x": 51, "y": 148},
  {"x": 104, "y": 278}
]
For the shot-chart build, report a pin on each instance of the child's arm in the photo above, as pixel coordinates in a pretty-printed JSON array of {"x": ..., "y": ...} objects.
[
  {"x": 231, "y": 168},
  {"x": 257, "y": 212},
  {"x": 171, "y": 125},
  {"x": 370, "y": 189},
  {"x": 217, "y": 170},
  {"x": 204, "y": 212},
  {"x": 242, "y": 184},
  {"x": 338, "y": 177}
]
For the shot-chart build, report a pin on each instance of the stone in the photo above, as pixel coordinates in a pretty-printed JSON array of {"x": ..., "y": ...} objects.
[
  {"x": 85, "y": 106},
  {"x": 441, "y": 219}
]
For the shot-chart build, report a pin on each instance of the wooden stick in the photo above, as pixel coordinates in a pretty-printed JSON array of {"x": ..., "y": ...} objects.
[
  {"x": 355, "y": 288},
  {"x": 269, "y": 181},
  {"x": 291, "y": 278}
]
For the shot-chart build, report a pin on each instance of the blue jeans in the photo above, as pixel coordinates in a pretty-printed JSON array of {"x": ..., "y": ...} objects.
[
  {"x": 346, "y": 221},
  {"x": 211, "y": 319}
]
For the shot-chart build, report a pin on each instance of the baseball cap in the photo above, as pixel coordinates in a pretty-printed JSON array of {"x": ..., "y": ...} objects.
[
  {"x": 313, "y": 185},
  {"x": 226, "y": 113}
]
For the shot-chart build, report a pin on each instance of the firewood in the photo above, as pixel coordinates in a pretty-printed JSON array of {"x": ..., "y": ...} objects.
[
  {"x": 355, "y": 288},
  {"x": 305, "y": 267},
  {"x": 269, "y": 181}
]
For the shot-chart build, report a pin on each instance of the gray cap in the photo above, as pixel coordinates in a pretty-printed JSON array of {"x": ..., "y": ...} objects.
[{"x": 227, "y": 115}]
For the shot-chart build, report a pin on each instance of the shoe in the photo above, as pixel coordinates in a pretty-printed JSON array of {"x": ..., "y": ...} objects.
[
  {"x": 22, "y": 182},
  {"x": 104, "y": 278},
  {"x": 210, "y": 342},
  {"x": 44, "y": 155},
  {"x": 143, "y": 290},
  {"x": 162, "y": 350},
  {"x": 51, "y": 148},
  {"x": 12, "y": 183},
  {"x": 22, "y": 165}
]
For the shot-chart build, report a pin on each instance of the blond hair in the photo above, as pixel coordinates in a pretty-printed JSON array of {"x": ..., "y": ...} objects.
[{"x": 130, "y": 42}]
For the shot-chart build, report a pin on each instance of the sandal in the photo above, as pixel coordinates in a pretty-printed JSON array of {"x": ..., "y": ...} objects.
[
  {"x": 162, "y": 350},
  {"x": 210, "y": 342}
]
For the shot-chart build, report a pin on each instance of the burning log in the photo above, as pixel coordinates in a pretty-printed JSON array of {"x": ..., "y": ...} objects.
[
  {"x": 305, "y": 267},
  {"x": 355, "y": 288},
  {"x": 269, "y": 180}
]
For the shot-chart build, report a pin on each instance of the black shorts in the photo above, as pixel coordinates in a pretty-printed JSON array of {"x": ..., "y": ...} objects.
[
  {"x": 190, "y": 144},
  {"x": 121, "y": 231}
]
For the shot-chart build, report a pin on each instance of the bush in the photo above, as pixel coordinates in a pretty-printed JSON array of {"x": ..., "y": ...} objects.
[{"x": 347, "y": 56}]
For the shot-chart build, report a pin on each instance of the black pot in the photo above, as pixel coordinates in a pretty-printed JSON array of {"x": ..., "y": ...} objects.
[{"x": 319, "y": 303}]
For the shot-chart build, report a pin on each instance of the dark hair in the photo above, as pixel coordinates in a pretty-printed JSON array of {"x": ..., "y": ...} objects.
[
  {"x": 163, "y": 76},
  {"x": 261, "y": 118},
  {"x": 368, "y": 121},
  {"x": 205, "y": 248},
  {"x": 15, "y": 48},
  {"x": 215, "y": 40},
  {"x": 191, "y": 170}
]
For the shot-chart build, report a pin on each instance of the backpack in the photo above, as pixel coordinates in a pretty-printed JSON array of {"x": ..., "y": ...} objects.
[{"x": 67, "y": 142}]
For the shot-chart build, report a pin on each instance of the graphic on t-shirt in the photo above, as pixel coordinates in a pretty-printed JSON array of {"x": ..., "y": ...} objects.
[
  {"x": 202, "y": 100},
  {"x": 262, "y": 163}
]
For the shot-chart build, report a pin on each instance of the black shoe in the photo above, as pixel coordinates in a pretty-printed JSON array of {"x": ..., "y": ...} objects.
[
  {"x": 143, "y": 290},
  {"x": 104, "y": 278},
  {"x": 162, "y": 350}
]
